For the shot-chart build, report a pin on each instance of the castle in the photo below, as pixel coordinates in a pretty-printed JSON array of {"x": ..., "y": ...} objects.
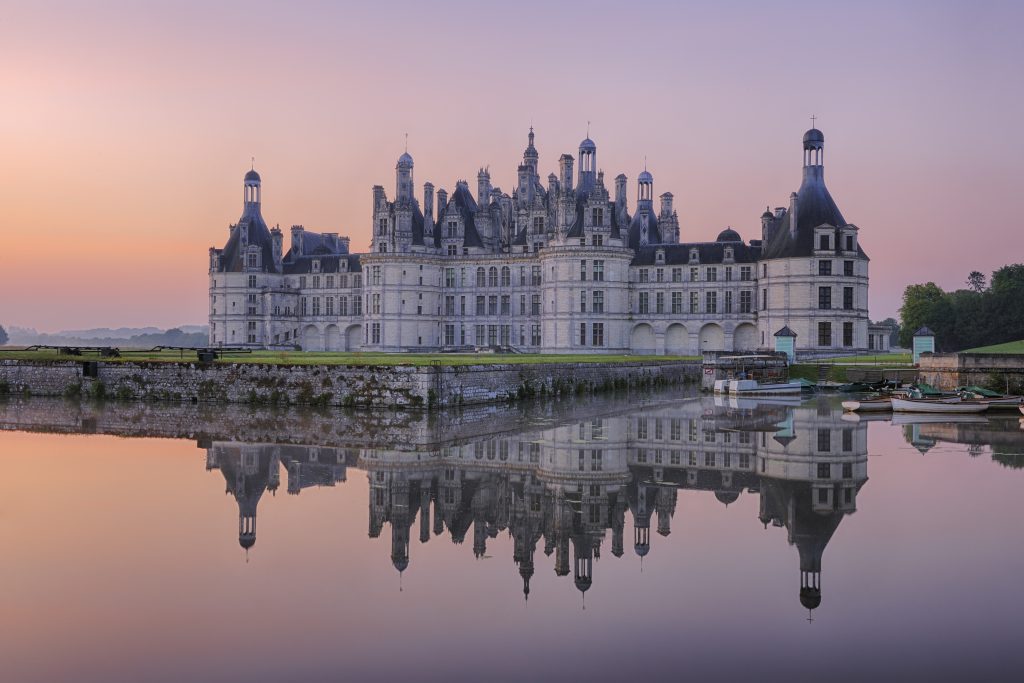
[{"x": 556, "y": 268}]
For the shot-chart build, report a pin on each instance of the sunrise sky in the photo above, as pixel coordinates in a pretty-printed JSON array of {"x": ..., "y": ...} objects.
[{"x": 126, "y": 128}]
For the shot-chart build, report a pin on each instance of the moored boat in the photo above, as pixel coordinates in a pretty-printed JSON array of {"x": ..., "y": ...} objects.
[
  {"x": 868, "y": 405},
  {"x": 947, "y": 405}
]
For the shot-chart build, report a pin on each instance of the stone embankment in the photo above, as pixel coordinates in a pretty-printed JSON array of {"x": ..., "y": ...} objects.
[
  {"x": 997, "y": 371},
  {"x": 396, "y": 386}
]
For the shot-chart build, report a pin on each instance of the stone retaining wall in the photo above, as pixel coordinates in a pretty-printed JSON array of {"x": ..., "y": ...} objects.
[
  {"x": 999, "y": 372},
  {"x": 333, "y": 385}
]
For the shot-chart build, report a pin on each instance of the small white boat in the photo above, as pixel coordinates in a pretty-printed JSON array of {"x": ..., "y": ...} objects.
[
  {"x": 752, "y": 387},
  {"x": 868, "y": 405},
  {"x": 1003, "y": 403},
  {"x": 942, "y": 405}
]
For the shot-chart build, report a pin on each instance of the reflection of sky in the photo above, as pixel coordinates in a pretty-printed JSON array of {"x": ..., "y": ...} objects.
[
  {"x": 120, "y": 563},
  {"x": 126, "y": 127}
]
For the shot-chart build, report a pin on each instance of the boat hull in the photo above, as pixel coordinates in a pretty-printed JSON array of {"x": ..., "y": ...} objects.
[
  {"x": 946, "y": 407},
  {"x": 878, "y": 405}
]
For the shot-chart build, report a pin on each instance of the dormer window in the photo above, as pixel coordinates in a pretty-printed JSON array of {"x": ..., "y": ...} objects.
[
  {"x": 453, "y": 229},
  {"x": 728, "y": 254},
  {"x": 824, "y": 242},
  {"x": 694, "y": 256},
  {"x": 252, "y": 261},
  {"x": 597, "y": 216},
  {"x": 850, "y": 245},
  {"x": 659, "y": 256},
  {"x": 316, "y": 265}
]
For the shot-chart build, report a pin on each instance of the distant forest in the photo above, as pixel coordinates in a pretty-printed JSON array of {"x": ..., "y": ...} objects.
[
  {"x": 141, "y": 338},
  {"x": 982, "y": 314}
]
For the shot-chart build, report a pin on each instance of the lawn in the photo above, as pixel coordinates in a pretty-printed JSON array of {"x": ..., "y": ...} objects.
[
  {"x": 330, "y": 358},
  {"x": 1008, "y": 347}
]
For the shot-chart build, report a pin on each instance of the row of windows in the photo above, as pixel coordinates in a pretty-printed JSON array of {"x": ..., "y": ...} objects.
[
  {"x": 327, "y": 281},
  {"x": 825, "y": 334},
  {"x": 675, "y": 431},
  {"x": 711, "y": 302},
  {"x": 825, "y": 298},
  {"x": 596, "y": 334},
  {"x": 825, "y": 267},
  {"x": 312, "y": 305},
  {"x": 825, "y": 243},
  {"x": 693, "y": 459},
  {"x": 710, "y": 274}
]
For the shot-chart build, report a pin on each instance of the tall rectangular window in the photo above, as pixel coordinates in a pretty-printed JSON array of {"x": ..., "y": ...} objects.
[
  {"x": 644, "y": 275},
  {"x": 712, "y": 274},
  {"x": 728, "y": 302},
  {"x": 583, "y": 302},
  {"x": 745, "y": 301},
  {"x": 677, "y": 275},
  {"x": 711, "y": 302},
  {"x": 644, "y": 303},
  {"x": 847, "y": 334},
  {"x": 824, "y": 334},
  {"x": 744, "y": 273},
  {"x": 535, "y": 304},
  {"x": 824, "y": 242},
  {"x": 824, "y": 298},
  {"x": 506, "y": 304},
  {"x": 677, "y": 302},
  {"x": 583, "y": 334},
  {"x": 481, "y": 305},
  {"x": 764, "y": 299},
  {"x": 659, "y": 302},
  {"x": 848, "y": 298},
  {"x": 597, "y": 302},
  {"x": 598, "y": 334},
  {"x": 694, "y": 302},
  {"x": 599, "y": 271},
  {"x": 824, "y": 267},
  {"x": 848, "y": 268},
  {"x": 583, "y": 269}
]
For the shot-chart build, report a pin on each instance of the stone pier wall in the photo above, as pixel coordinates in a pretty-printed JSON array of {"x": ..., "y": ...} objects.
[
  {"x": 333, "y": 385},
  {"x": 998, "y": 372}
]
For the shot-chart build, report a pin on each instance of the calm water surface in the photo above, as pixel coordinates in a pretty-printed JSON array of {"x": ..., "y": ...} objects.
[{"x": 655, "y": 535}]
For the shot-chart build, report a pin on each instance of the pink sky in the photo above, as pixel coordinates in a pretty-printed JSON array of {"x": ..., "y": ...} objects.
[{"x": 125, "y": 129}]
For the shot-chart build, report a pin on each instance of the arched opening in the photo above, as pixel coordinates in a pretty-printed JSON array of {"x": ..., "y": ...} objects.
[
  {"x": 312, "y": 340},
  {"x": 332, "y": 338},
  {"x": 353, "y": 337},
  {"x": 642, "y": 340},
  {"x": 677, "y": 340},
  {"x": 744, "y": 338},
  {"x": 712, "y": 338}
]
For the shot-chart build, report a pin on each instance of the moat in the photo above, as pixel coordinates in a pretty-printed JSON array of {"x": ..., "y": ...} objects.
[{"x": 598, "y": 537}]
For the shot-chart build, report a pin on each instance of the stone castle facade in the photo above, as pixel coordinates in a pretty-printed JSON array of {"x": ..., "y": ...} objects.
[{"x": 561, "y": 267}]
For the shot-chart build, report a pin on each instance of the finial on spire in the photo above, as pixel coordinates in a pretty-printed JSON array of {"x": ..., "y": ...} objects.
[
  {"x": 645, "y": 162},
  {"x": 813, "y": 119},
  {"x": 253, "y": 166},
  {"x": 406, "y": 143},
  {"x": 588, "y": 128}
]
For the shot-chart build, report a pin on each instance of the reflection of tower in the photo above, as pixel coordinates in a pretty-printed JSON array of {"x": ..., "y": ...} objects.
[
  {"x": 640, "y": 499},
  {"x": 248, "y": 471},
  {"x": 583, "y": 553},
  {"x": 665, "y": 505},
  {"x": 811, "y": 473}
]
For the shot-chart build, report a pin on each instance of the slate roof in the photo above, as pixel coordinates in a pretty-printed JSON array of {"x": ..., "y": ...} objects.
[
  {"x": 635, "y": 226},
  {"x": 814, "y": 207},
  {"x": 707, "y": 252},
  {"x": 256, "y": 231},
  {"x": 463, "y": 200}
]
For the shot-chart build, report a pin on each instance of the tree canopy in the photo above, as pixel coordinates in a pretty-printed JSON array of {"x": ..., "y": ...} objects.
[
  {"x": 967, "y": 318},
  {"x": 3, "y": 335}
]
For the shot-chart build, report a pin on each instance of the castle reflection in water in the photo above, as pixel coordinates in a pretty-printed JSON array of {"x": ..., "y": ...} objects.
[{"x": 563, "y": 487}]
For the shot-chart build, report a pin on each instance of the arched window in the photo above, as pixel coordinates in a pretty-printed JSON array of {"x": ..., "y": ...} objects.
[
  {"x": 492, "y": 277},
  {"x": 506, "y": 276},
  {"x": 481, "y": 278}
]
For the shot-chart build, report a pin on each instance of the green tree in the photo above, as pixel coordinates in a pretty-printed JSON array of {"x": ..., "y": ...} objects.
[
  {"x": 976, "y": 281},
  {"x": 3, "y": 336},
  {"x": 921, "y": 305}
]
